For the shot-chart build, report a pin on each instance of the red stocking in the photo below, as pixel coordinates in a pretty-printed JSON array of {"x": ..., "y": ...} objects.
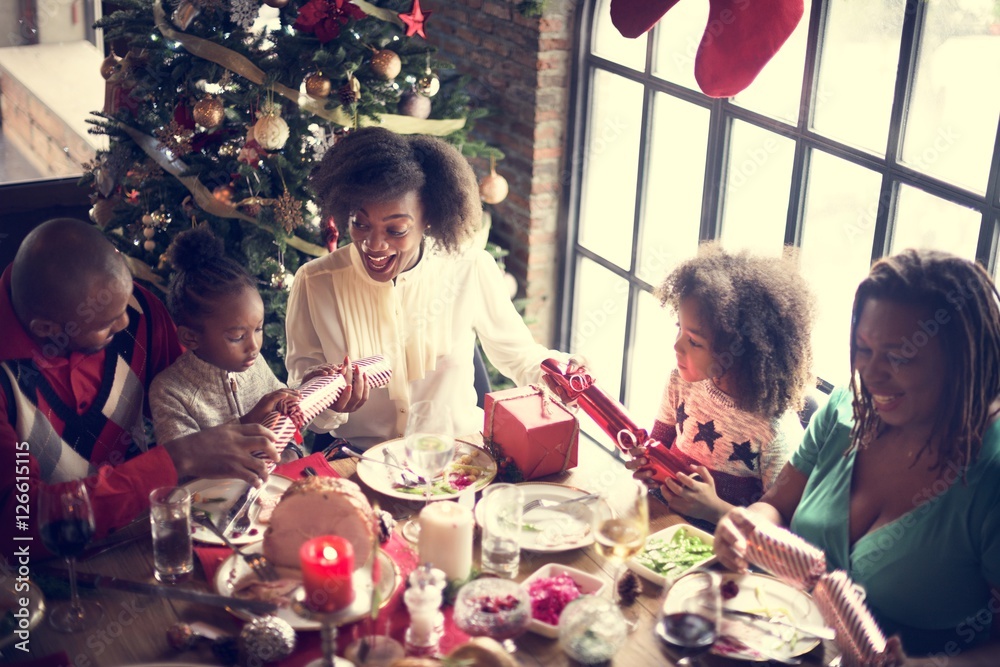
[{"x": 740, "y": 38}]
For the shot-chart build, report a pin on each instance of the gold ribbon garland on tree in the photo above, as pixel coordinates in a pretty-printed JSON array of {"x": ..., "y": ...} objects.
[{"x": 239, "y": 64}]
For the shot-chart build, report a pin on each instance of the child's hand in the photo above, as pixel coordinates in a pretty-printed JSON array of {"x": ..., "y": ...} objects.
[
  {"x": 269, "y": 403},
  {"x": 321, "y": 370},
  {"x": 694, "y": 495}
]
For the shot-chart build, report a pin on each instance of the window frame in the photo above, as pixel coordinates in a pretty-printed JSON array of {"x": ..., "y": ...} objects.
[{"x": 723, "y": 114}]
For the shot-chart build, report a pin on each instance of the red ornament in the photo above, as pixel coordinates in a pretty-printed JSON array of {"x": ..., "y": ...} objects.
[
  {"x": 415, "y": 20},
  {"x": 324, "y": 18}
]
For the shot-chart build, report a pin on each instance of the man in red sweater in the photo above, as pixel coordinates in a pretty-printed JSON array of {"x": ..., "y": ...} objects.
[{"x": 81, "y": 343}]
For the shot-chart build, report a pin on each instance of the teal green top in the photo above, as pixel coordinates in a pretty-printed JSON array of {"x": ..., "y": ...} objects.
[{"x": 928, "y": 573}]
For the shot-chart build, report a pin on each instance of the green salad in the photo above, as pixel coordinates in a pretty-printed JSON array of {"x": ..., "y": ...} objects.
[{"x": 675, "y": 555}]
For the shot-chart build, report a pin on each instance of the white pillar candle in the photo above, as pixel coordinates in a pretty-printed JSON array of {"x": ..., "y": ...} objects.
[{"x": 446, "y": 538}]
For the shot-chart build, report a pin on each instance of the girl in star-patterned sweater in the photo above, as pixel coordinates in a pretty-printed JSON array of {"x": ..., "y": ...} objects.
[{"x": 728, "y": 412}]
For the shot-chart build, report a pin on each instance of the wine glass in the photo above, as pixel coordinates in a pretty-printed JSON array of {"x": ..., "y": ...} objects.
[
  {"x": 621, "y": 524},
  {"x": 690, "y": 616},
  {"x": 67, "y": 525},
  {"x": 497, "y": 608},
  {"x": 429, "y": 448}
]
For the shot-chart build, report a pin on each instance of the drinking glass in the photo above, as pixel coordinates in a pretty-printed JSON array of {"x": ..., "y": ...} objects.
[
  {"x": 620, "y": 525},
  {"x": 502, "y": 516},
  {"x": 67, "y": 525},
  {"x": 429, "y": 448},
  {"x": 170, "y": 523},
  {"x": 690, "y": 615}
]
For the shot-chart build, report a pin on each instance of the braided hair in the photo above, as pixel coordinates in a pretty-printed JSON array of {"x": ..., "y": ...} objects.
[
  {"x": 204, "y": 274},
  {"x": 760, "y": 313},
  {"x": 970, "y": 340}
]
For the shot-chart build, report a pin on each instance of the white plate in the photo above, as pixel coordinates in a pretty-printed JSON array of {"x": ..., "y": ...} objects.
[
  {"x": 11, "y": 592},
  {"x": 385, "y": 479},
  {"x": 766, "y": 595},
  {"x": 588, "y": 584},
  {"x": 234, "y": 571},
  {"x": 666, "y": 535},
  {"x": 218, "y": 495},
  {"x": 553, "y": 530}
]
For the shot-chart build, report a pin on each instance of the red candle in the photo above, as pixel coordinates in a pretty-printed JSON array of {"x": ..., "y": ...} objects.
[{"x": 327, "y": 566}]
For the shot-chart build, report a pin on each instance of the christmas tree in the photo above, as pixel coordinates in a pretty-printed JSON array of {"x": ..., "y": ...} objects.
[{"x": 216, "y": 112}]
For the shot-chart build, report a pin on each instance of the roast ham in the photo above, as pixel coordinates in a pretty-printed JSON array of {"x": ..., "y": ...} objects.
[{"x": 316, "y": 506}]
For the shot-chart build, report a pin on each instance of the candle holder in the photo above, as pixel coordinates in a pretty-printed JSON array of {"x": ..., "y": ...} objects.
[{"x": 329, "y": 624}]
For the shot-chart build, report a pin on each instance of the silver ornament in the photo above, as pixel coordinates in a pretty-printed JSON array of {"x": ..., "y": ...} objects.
[
  {"x": 428, "y": 85},
  {"x": 267, "y": 638}
]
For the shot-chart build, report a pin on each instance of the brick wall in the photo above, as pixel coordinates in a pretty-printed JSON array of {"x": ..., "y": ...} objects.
[{"x": 520, "y": 69}]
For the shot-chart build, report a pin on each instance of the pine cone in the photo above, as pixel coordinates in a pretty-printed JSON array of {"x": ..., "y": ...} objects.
[{"x": 629, "y": 588}]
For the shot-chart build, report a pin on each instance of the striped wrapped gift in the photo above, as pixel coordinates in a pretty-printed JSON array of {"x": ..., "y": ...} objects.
[
  {"x": 785, "y": 555},
  {"x": 320, "y": 393},
  {"x": 859, "y": 638}
]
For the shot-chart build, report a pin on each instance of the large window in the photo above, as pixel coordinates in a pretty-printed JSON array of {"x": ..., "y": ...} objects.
[{"x": 875, "y": 128}]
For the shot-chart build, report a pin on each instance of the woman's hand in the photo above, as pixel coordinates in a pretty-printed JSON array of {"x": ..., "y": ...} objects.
[
  {"x": 694, "y": 495},
  {"x": 280, "y": 400},
  {"x": 355, "y": 394},
  {"x": 731, "y": 538}
]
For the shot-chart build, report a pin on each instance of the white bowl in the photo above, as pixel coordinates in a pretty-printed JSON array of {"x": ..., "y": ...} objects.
[
  {"x": 666, "y": 535},
  {"x": 589, "y": 584}
]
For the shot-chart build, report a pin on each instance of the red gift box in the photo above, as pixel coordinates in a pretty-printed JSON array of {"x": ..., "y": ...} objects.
[{"x": 533, "y": 428}]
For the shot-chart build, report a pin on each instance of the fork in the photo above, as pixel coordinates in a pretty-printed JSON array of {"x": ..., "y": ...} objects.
[
  {"x": 548, "y": 504},
  {"x": 259, "y": 563}
]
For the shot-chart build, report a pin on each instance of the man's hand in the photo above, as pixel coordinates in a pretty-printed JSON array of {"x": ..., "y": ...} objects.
[
  {"x": 356, "y": 392},
  {"x": 225, "y": 451}
]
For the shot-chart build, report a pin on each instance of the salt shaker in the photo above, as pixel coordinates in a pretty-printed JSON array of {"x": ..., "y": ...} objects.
[{"x": 423, "y": 600}]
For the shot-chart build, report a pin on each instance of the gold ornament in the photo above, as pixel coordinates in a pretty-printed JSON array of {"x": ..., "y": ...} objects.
[
  {"x": 150, "y": 246},
  {"x": 415, "y": 105},
  {"x": 493, "y": 188},
  {"x": 148, "y": 232},
  {"x": 350, "y": 92},
  {"x": 277, "y": 4},
  {"x": 103, "y": 211},
  {"x": 428, "y": 85},
  {"x": 288, "y": 211},
  {"x": 209, "y": 113},
  {"x": 387, "y": 64},
  {"x": 271, "y": 132},
  {"x": 223, "y": 193},
  {"x": 109, "y": 65},
  {"x": 318, "y": 85},
  {"x": 174, "y": 138}
]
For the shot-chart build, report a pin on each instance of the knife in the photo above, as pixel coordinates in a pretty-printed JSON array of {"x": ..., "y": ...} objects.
[
  {"x": 818, "y": 631},
  {"x": 103, "y": 581}
]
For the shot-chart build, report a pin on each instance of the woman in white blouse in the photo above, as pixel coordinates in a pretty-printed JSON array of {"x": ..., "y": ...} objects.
[{"x": 407, "y": 287}]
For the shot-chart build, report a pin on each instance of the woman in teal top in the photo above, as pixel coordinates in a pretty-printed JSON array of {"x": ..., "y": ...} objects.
[{"x": 898, "y": 477}]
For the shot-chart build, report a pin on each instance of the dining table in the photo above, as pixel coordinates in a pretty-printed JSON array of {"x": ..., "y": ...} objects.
[{"x": 134, "y": 628}]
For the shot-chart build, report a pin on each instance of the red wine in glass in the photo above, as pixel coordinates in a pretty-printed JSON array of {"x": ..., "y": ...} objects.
[
  {"x": 686, "y": 633},
  {"x": 66, "y": 518},
  {"x": 67, "y": 537}
]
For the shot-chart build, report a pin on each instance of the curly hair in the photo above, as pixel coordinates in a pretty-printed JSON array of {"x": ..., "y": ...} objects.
[
  {"x": 970, "y": 340},
  {"x": 203, "y": 275},
  {"x": 374, "y": 165},
  {"x": 759, "y": 313}
]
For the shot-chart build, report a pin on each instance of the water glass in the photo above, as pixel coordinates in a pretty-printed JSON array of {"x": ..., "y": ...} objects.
[
  {"x": 502, "y": 514},
  {"x": 170, "y": 520}
]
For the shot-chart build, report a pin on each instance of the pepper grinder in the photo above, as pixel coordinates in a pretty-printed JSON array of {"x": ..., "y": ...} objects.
[{"x": 423, "y": 600}]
